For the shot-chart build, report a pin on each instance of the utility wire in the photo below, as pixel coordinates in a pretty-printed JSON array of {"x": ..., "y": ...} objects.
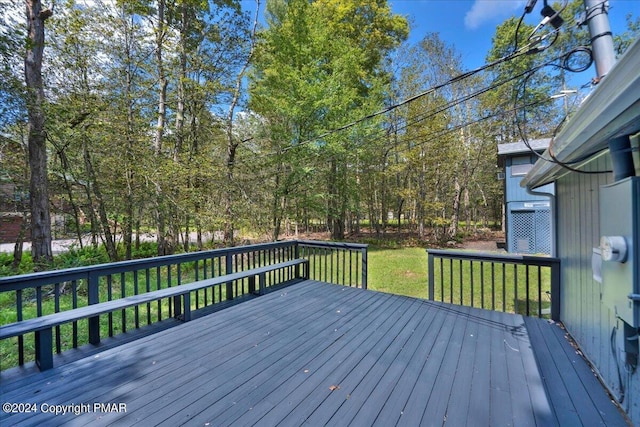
[
  {"x": 433, "y": 136},
  {"x": 527, "y": 49},
  {"x": 432, "y": 113}
]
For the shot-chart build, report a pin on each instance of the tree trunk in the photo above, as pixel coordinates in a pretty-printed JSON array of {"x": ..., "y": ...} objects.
[
  {"x": 109, "y": 240},
  {"x": 455, "y": 214},
  {"x": 165, "y": 246},
  {"x": 276, "y": 215},
  {"x": 232, "y": 141},
  {"x": 39, "y": 182},
  {"x": 335, "y": 219},
  {"x": 17, "y": 249},
  {"x": 67, "y": 185}
]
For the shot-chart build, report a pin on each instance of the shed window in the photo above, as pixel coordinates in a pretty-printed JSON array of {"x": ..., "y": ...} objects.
[{"x": 520, "y": 170}]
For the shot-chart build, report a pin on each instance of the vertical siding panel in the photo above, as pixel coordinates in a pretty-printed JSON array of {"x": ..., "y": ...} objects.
[{"x": 582, "y": 312}]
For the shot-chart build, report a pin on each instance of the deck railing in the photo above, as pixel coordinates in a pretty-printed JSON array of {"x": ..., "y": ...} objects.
[
  {"x": 335, "y": 262},
  {"x": 38, "y": 294},
  {"x": 529, "y": 285}
]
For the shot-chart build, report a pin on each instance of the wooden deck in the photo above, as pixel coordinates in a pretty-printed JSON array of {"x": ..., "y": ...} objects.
[{"x": 320, "y": 354}]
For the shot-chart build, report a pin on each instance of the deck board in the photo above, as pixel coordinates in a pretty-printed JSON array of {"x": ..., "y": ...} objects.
[
  {"x": 569, "y": 381},
  {"x": 321, "y": 354}
]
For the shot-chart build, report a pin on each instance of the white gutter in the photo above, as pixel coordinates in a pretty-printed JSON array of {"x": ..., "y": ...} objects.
[{"x": 611, "y": 110}]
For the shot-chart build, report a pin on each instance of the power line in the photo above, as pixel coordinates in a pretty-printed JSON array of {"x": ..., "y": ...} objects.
[{"x": 529, "y": 48}]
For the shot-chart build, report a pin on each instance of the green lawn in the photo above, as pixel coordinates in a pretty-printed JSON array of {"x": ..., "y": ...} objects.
[
  {"x": 400, "y": 271},
  {"x": 403, "y": 271}
]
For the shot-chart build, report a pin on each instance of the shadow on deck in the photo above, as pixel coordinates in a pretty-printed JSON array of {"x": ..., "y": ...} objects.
[{"x": 325, "y": 354}]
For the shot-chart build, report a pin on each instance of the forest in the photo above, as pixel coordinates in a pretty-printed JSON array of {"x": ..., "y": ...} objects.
[{"x": 182, "y": 118}]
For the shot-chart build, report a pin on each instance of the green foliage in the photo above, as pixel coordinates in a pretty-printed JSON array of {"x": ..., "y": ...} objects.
[
  {"x": 319, "y": 65},
  {"x": 325, "y": 85},
  {"x": 80, "y": 257},
  {"x": 145, "y": 250},
  {"x": 6, "y": 264},
  {"x": 624, "y": 40}
]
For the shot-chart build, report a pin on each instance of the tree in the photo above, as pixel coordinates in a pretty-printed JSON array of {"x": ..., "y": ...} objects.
[
  {"x": 232, "y": 138},
  {"x": 39, "y": 182},
  {"x": 328, "y": 84}
]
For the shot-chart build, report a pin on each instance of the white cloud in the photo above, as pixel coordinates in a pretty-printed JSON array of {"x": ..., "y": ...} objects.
[{"x": 490, "y": 11}]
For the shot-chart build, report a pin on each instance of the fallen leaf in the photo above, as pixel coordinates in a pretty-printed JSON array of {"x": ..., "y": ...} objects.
[{"x": 334, "y": 387}]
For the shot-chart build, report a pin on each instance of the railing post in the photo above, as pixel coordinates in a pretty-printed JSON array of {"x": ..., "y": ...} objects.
[
  {"x": 252, "y": 284},
  {"x": 431, "y": 276},
  {"x": 93, "y": 298},
  {"x": 44, "y": 350},
  {"x": 364, "y": 268},
  {"x": 262, "y": 284},
  {"x": 186, "y": 307},
  {"x": 555, "y": 291}
]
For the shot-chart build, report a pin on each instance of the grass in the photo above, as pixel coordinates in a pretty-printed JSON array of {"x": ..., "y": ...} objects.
[
  {"x": 400, "y": 271},
  {"x": 403, "y": 271}
]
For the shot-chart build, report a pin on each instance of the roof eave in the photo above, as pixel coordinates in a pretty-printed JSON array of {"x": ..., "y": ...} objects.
[{"x": 612, "y": 110}]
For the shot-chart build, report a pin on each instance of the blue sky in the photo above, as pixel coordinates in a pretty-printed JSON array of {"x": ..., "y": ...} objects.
[{"x": 470, "y": 24}]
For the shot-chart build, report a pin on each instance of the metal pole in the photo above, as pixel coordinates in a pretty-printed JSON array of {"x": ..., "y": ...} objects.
[{"x": 597, "y": 14}]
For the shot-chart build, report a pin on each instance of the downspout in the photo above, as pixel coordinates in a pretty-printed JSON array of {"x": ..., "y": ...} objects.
[{"x": 621, "y": 157}]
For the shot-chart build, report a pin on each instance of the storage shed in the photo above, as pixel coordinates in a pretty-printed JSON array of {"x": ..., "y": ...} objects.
[{"x": 528, "y": 216}]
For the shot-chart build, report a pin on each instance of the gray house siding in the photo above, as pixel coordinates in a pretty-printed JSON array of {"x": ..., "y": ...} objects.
[{"x": 585, "y": 317}]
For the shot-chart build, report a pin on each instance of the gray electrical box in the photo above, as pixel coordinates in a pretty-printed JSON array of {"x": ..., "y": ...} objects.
[{"x": 620, "y": 233}]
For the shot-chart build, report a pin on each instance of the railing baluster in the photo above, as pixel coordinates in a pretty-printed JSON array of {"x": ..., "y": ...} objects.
[
  {"x": 441, "y": 281},
  {"x": 148, "y": 288},
  {"x": 196, "y": 277},
  {"x": 504, "y": 286},
  {"x": 481, "y": 284},
  {"x": 39, "y": 301},
  {"x": 109, "y": 298},
  {"x": 460, "y": 279},
  {"x": 526, "y": 269},
  {"x": 451, "y": 280},
  {"x": 493, "y": 287},
  {"x": 19, "y": 318},
  {"x": 74, "y": 301},
  {"x": 136, "y": 309},
  {"x": 331, "y": 267},
  {"x": 123, "y": 293},
  {"x": 515, "y": 304},
  {"x": 539, "y": 293},
  {"x": 158, "y": 287},
  {"x": 56, "y": 309},
  {"x": 351, "y": 267},
  {"x": 169, "y": 285},
  {"x": 431, "y": 277},
  {"x": 359, "y": 261},
  {"x": 344, "y": 266},
  {"x": 471, "y": 274},
  {"x": 489, "y": 280}
]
